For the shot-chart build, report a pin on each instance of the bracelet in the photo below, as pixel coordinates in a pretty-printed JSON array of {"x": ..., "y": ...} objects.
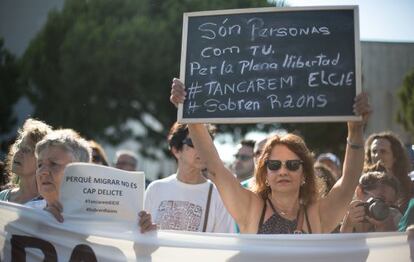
[{"x": 354, "y": 146}]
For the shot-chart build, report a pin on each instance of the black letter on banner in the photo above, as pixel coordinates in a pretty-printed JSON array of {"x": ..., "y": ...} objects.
[
  {"x": 82, "y": 253},
  {"x": 19, "y": 243}
]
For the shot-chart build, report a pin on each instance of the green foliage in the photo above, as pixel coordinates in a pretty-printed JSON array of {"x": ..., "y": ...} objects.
[
  {"x": 322, "y": 137},
  {"x": 98, "y": 63},
  {"x": 405, "y": 115},
  {"x": 10, "y": 90},
  {"x": 319, "y": 137}
]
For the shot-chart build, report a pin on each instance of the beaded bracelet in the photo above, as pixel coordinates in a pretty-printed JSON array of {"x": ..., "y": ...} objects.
[{"x": 354, "y": 146}]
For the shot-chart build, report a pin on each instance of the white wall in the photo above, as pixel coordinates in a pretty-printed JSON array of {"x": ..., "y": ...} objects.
[{"x": 384, "y": 66}]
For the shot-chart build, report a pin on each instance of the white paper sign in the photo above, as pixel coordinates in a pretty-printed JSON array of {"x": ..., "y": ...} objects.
[{"x": 102, "y": 194}]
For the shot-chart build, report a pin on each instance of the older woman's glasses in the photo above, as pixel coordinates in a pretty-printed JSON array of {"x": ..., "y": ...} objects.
[
  {"x": 291, "y": 165},
  {"x": 187, "y": 141}
]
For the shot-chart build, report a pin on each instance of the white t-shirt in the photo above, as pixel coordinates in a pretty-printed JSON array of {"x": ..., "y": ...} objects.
[{"x": 175, "y": 205}]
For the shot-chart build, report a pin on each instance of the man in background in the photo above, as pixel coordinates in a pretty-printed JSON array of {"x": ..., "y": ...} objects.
[
  {"x": 333, "y": 162},
  {"x": 126, "y": 160},
  {"x": 257, "y": 151},
  {"x": 243, "y": 164}
]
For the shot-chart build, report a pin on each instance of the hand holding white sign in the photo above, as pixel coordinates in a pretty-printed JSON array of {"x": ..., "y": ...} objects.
[{"x": 102, "y": 194}]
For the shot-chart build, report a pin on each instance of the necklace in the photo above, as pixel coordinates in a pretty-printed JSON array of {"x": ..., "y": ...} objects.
[
  {"x": 279, "y": 210},
  {"x": 282, "y": 213}
]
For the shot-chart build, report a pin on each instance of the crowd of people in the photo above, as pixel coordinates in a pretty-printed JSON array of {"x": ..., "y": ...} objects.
[{"x": 274, "y": 186}]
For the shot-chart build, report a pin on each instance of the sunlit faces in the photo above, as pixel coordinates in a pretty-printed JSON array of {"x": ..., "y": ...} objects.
[
  {"x": 126, "y": 162},
  {"x": 24, "y": 160},
  {"x": 257, "y": 151},
  {"x": 389, "y": 194},
  {"x": 188, "y": 155},
  {"x": 243, "y": 162},
  {"x": 381, "y": 152},
  {"x": 51, "y": 163},
  {"x": 382, "y": 191},
  {"x": 284, "y": 179}
]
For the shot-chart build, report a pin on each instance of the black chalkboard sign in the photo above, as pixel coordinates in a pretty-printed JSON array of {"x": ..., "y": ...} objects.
[{"x": 270, "y": 65}]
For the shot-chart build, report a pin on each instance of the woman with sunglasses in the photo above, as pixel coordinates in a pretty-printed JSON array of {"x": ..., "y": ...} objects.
[{"x": 283, "y": 199}]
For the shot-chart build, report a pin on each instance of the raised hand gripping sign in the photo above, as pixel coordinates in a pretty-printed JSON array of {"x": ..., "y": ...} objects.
[{"x": 270, "y": 65}]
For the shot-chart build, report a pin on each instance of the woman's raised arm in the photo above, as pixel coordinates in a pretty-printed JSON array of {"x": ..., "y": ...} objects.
[
  {"x": 333, "y": 208},
  {"x": 236, "y": 198}
]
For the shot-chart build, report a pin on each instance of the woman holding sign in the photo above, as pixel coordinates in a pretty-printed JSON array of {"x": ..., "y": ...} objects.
[
  {"x": 284, "y": 197},
  {"x": 54, "y": 152}
]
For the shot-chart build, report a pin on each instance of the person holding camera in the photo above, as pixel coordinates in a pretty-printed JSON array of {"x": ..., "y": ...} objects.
[
  {"x": 387, "y": 149},
  {"x": 373, "y": 209}
]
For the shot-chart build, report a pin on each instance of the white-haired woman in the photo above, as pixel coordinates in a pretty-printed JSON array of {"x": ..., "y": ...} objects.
[{"x": 53, "y": 153}]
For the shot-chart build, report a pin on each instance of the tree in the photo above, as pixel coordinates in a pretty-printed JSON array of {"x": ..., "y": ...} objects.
[
  {"x": 322, "y": 137},
  {"x": 97, "y": 64},
  {"x": 10, "y": 90},
  {"x": 405, "y": 115},
  {"x": 319, "y": 137}
]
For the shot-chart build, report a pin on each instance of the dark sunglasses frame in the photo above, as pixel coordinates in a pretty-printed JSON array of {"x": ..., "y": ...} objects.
[
  {"x": 187, "y": 141},
  {"x": 291, "y": 165}
]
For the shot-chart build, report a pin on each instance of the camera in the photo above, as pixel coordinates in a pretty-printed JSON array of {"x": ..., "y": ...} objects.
[{"x": 376, "y": 208}]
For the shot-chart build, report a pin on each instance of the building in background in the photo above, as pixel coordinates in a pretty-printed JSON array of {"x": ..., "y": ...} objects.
[{"x": 384, "y": 66}]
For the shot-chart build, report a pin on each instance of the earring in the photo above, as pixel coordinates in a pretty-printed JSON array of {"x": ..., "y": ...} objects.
[
  {"x": 303, "y": 182},
  {"x": 266, "y": 183}
]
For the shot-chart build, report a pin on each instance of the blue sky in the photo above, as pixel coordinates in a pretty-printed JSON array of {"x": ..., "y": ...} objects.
[{"x": 380, "y": 20}]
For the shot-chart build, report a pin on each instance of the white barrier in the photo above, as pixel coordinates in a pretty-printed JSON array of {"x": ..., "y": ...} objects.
[
  {"x": 35, "y": 234},
  {"x": 112, "y": 235}
]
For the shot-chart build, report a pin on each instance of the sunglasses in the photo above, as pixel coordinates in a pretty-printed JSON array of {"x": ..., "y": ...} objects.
[
  {"x": 242, "y": 157},
  {"x": 291, "y": 165},
  {"x": 187, "y": 141}
]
